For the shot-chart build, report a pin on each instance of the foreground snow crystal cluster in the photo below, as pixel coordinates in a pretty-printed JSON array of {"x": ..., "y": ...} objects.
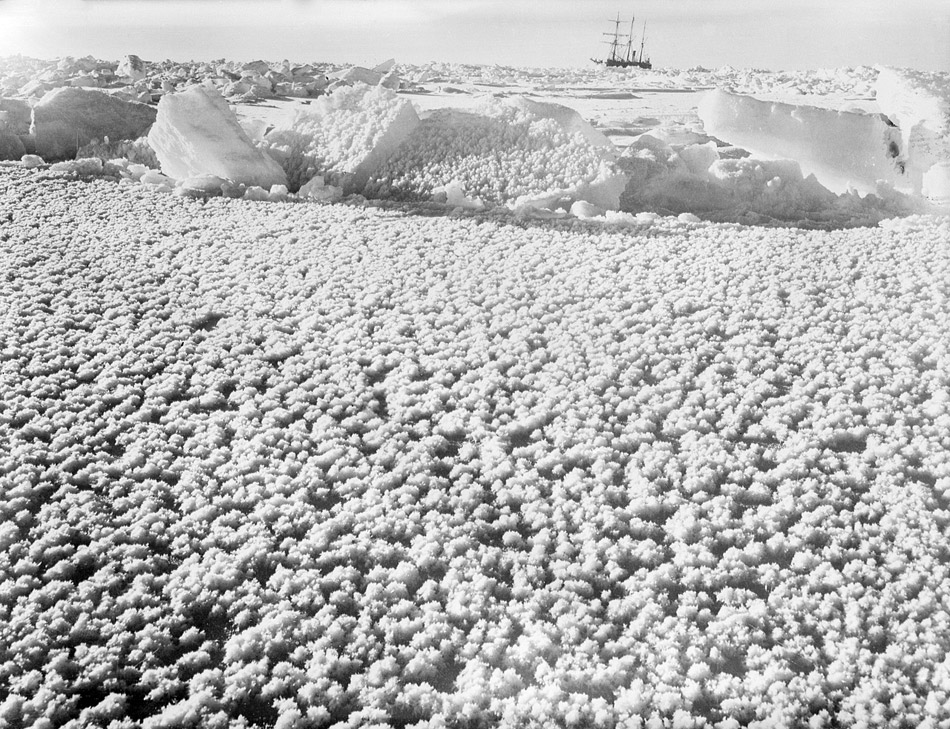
[{"x": 333, "y": 466}]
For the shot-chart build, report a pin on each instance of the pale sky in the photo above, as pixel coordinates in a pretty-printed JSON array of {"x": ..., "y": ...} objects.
[{"x": 545, "y": 33}]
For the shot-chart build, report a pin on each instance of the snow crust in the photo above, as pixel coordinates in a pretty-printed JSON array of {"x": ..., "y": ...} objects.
[{"x": 337, "y": 466}]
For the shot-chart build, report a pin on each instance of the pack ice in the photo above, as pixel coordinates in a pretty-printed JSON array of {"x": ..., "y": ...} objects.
[
  {"x": 197, "y": 134},
  {"x": 345, "y": 137},
  {"x": 919, "y": 103},
  {"x": 844, "y": 150}
]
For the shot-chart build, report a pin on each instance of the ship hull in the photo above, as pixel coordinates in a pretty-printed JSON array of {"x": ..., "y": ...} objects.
[{"x": 611, "y": 63}]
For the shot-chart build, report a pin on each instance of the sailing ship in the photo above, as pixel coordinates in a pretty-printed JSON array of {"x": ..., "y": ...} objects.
[{"x": 622, "y": 51}]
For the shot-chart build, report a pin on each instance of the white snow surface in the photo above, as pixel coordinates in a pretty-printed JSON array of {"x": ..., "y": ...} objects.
[{"x": 336, "y": 465}]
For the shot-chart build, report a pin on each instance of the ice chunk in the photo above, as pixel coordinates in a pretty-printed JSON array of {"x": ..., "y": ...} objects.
[
  {"x": 132, "y": 68},
  {"x": 201, "y": 186},
  {"x": 196, "y": 134},
  {"x": 391, "y": 81},
  {"x": 919, "y": 103},
  {"x": 585, "y": 210},
  {"x": 386, "y": 66},
  {"x": 358, "y": 75},
  {"x": 82, "y": 166},
  {"x": 844, "y": 150},
  {"x": 345, "y": 136},
  {"x": 317, "y": 189},
  {"x": 455, "y": 197},
  {"x": 68, "y": 118}
]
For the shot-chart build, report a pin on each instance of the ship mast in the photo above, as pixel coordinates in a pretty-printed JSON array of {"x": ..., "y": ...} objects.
[
  {"x": 643, "y": 40},
  {"x": 630, "y": 39},
  {"x": 616, "y": 38}
]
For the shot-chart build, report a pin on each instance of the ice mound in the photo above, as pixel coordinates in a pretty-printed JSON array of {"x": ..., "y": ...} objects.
[
  {"x": 919, "y": 103},
  {"x": 345, "y": 136},
  {"x": 505, "y": 152},
  {"x": 67, "y": 118},
  {"x": 844, "y": 150},
  {"x": 196, "y": 134}
]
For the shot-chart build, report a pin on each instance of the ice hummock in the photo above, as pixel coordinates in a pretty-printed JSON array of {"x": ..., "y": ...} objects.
[
  {"x": 197, "y": 134},
  {"x": 516, "y": 152},
  {"x": 345, "y": 136},
  {"x": 845, "y": 150}
]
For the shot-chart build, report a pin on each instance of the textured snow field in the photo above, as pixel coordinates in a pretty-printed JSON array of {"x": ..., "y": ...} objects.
[{"x": 307, "y": 465}]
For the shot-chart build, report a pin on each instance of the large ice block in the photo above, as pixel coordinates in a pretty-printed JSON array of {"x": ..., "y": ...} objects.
[
  {"x": 68, "y": 118},
  {"x": 845, "y": 150},
  {"x": 196, "y": 133}
]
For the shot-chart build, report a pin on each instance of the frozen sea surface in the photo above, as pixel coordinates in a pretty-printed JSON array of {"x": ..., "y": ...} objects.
[{"x": 293, "y": 465}]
